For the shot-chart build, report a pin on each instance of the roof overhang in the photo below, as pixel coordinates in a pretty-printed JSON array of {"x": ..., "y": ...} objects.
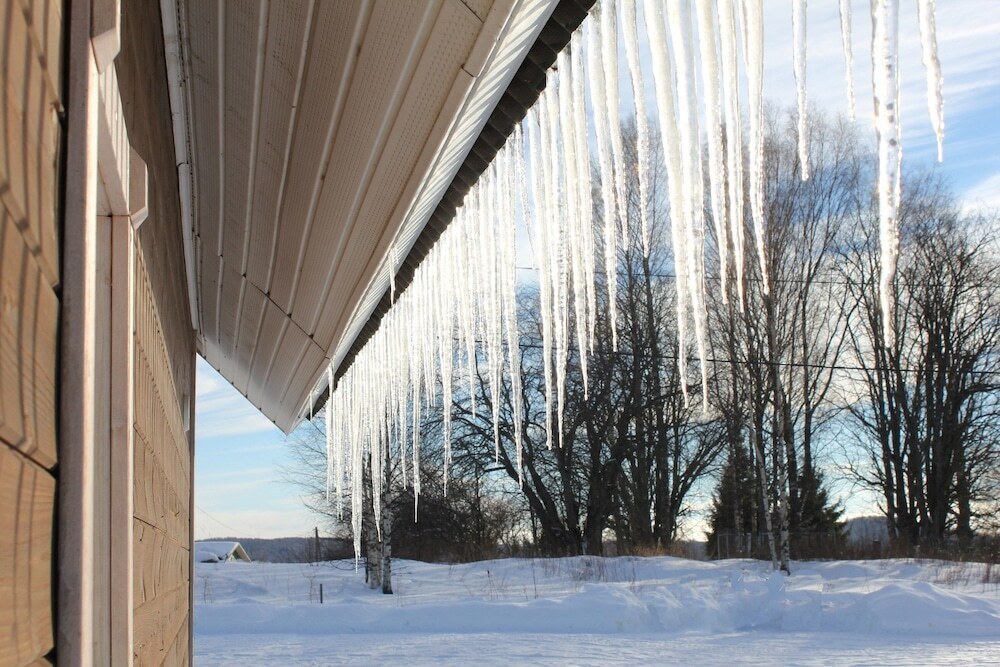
[{"x": 315, "y": 140}]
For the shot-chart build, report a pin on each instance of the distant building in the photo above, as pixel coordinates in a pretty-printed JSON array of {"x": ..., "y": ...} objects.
[{"x": 219, "y": 552}]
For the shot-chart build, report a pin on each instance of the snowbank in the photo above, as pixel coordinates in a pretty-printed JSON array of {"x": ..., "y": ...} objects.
[{"x": 601, "y": 596}]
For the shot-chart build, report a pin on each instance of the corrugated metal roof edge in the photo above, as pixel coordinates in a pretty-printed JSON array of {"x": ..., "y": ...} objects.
[{"x": 522, "y": 93}]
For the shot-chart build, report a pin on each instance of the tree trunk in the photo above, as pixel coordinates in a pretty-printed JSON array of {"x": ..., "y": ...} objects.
[
  {"x": 386, "y": 556},
  {"x": 387, "y": 517},
  {"x": 755, "y": 436},
  {"x": 373, "y": 550}
]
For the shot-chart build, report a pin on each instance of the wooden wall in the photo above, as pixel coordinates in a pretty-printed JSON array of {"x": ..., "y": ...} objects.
[
  {"x": 31, "y": 37},
  {"x": 162, "y": 511},
  {"x": 164, "y": 357}
]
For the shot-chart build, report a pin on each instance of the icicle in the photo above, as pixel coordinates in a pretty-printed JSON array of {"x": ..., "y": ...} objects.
[
  {"x": 753, "y": 55},
  {"x": 845, "y": 38},
  {"x": 331, "y": 439},
  {"x": 711, "y": 83},
  {"x": 799, "y": 67},
  {"x": 494, "y": 323},
  {"x": 466, "y": 297},
  {"x": 446, "y": 334},
  {"x": 573, "y": 217},
  {"x": 357, "y": 463},
  {"x": 401, "y": 375},
  {"x": 641, "y": 120},
  {"x": 427, "y": 335},
  {"x": 415, "y": 402},
  {"x": 609, "y": 58},
  {"x": 666, "y": 112},
  {"x": 416, "y": 371},
  {"x": 687, "y": 115},
  {"x": 599, "y": 100},
  {"x": 393, "y": 263},
  {"x": 508, "y": 252},
  {"x": 585, "y": 203},
  {"x": 542, "y": 257},
  {"x": 932, "y": 66},
  {"x": 734, "y": 138},
  {"x": 557, "y": 241},
  {"x": 342, "y": 416},
  {"x": 375, "y": 455},
  {"x": 885, "y": 84}
]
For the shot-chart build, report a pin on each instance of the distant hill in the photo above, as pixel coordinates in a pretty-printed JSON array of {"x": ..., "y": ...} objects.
[{"x": 292, "y": 549}]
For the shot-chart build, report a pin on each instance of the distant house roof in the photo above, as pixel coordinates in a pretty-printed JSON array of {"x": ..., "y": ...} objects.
[{"x": 219, "y": 552}]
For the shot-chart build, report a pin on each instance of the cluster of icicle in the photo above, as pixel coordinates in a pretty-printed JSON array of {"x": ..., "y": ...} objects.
[{"x": 457, "y": 320}]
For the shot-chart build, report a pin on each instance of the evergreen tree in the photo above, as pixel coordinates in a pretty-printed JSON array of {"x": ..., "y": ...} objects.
[
  {"x": 818, "y": 514},
  {"x": 735, "y": 512},
  {"x": 734, "y": 506}
]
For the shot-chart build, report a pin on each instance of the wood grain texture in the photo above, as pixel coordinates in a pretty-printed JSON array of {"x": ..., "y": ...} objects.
[
  {"x": 27, "y": 507},
  {"x": 30, "y": 42},
  {"x": 75, "y": 626},
  {"x": 30, "y": 139},
  {"x": 122, "y": 457},
  {"x": 102, "y": 510},
  {"x": 163, "y": 354},
  {"x": 161, "y": 527},
  {"x": 29, "y": 320},
  {"x": 142, "y": 80},
  {"x": 45, "y": 21}
]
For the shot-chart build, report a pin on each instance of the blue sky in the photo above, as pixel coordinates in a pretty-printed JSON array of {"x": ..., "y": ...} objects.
[{"x": 239, "y": 487}]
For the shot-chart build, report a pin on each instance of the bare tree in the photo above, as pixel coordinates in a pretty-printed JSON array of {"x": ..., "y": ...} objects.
[
  {"x": 928, "y": 410},
  {"x": 783, "y": 344},
  {"x": 632, "y": 449}
]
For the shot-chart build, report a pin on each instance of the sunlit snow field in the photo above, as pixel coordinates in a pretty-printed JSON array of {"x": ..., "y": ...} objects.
[{"x": 596, "y": 611}]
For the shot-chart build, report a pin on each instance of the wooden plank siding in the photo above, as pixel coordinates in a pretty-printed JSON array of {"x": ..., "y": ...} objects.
[
  {"x": 31, "y": 43},
  {"x": 163, "y": 369},
  {"x": 162, "y": 511},
  {"x": 29, "y": 149},
  {"x": 27, "y": 506}
]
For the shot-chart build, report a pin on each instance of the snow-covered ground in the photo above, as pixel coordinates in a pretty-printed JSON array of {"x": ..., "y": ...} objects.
[{"x": 599, "y": 611}]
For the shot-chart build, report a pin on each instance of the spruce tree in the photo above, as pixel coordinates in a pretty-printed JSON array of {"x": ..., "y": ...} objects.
[{"x": 734, "y": 505}]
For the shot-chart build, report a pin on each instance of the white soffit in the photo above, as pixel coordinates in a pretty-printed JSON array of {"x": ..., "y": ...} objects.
[{"x": 317, "y": 134}]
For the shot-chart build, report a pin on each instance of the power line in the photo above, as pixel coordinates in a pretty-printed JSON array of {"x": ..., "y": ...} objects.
[
  {"x": 236, "y": 532},
  {"x": 763, "y": 362},
  {"x": 715, "y": 360}
]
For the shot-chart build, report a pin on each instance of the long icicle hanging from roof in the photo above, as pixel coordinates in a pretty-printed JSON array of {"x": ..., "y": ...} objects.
[
  {"x": 733, "y": 160},
  {"x": 846, "y": 41},
  {"x": 453, "y": 334},
  {"x": 932, "y": 66},
  {"x": 799, "y": 67},
  {"x": 885, "y": 88},
  {"x": 663, "y": 79}
]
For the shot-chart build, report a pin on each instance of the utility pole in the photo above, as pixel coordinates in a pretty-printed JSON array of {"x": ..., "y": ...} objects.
[{"x": 317, "y": 553}]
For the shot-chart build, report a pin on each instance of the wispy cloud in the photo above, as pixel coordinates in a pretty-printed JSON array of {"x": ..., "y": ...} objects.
[
  {"x": 254, "y": 523},
  {"x": 222, "y": 411},
  {"x": 984, "y": 195},
  {"x": 968, "y": 33},
  {"x": 263, "y": 473}
]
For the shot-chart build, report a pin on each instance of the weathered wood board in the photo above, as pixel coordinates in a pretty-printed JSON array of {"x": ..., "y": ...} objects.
[
  {"x": 27, "y": 506},
  {"x": 31, "y": 42}
]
